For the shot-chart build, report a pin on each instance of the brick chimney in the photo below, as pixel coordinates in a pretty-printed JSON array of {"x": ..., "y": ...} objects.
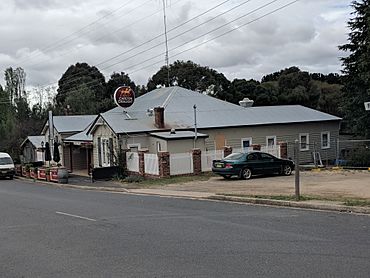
[{"x": 159, "y": 117}]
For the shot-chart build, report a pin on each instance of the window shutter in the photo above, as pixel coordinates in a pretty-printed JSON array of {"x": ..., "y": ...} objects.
[{"x": 99, "y": 151}]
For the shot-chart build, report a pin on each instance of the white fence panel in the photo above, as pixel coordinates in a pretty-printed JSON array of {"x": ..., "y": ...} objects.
[
  {"x": 208, "y": 157},
  {"x": 181, "y": 163},
  {"x": 132, "y": 160},
  {"x": 151, "y": 163},
  {"x": 274, "y": 150}
]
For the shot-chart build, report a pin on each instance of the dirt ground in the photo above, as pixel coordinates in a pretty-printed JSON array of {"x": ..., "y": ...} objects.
[{"x": 330, "y": 184}]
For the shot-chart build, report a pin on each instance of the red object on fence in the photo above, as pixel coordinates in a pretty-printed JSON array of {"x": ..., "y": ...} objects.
[
  {"x": 41, "y": 174},
  {"x": 54, "y": 174}
]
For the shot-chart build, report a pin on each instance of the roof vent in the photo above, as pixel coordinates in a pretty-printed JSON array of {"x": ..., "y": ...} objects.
[
  {"x": 150, "y": 112},
  {"x": 246, "y": 102},
  {"x": 173, "y": 131}
]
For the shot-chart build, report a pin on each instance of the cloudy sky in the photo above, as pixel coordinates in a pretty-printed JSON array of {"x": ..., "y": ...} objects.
[{"x": 242, "y": 39}]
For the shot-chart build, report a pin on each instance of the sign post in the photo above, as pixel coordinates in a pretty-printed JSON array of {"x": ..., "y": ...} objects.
[{"x": 296, "y": 184}]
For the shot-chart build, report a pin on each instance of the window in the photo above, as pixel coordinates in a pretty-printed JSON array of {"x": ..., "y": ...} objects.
[
  {"x": 105, "y": 152},
  {"x": 159, "y": 147},
  {"x": 246, "y": 143},
  {"x": 252, "y": 156},
  {"x": 325, "y": 140},
  {"x": 134, "y": 147},
  {"x": 266, "y": 157},
  {"x": 271, "y": 141},
  {"x": 304, "y": 142}
]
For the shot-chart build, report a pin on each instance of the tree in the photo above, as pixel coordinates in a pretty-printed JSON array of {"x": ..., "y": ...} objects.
[
  {"x": 193, "y": 77},
  {"x": 356, "y": 65},
  {"x": 81, "y": 78},
  {"x": 15, "y": 83}
]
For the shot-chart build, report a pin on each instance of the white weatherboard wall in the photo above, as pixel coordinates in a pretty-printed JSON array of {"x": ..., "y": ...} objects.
[{"x": 181, "y": 164}]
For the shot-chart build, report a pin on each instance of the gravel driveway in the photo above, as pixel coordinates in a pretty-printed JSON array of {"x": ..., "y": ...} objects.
[{"x": 331, "y": 184}]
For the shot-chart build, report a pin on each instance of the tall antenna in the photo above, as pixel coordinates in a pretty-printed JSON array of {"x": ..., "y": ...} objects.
[{"x": 166, "y": 39}]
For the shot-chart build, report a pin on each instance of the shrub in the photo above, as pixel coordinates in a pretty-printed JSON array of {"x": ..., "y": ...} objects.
[{"x": 360, "y": 158}]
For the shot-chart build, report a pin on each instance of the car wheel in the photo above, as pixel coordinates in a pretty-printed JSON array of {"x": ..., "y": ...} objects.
[
  {"x": 11, "y": 177},
  {"x": 245, "y": 174},
  {"x": 287, "y": 170},
  {"x": 227, "y": 177}
]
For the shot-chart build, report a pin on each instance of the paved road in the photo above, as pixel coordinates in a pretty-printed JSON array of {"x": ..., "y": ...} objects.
[{"x": 47, "y": 231}]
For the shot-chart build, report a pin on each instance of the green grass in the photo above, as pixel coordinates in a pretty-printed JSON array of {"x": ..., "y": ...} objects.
[
  {"x": 357, "y": 202},
  {"x": 136, "y": 182},
  {"x": 344, "y": 201},
  {"x": 274, "y": 197}
]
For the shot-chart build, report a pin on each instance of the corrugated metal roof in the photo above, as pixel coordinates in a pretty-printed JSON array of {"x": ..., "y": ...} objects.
[
  {"x": 74, "y": 123},
  {"x": 81, "y": 136},
  {"x": 211, "y": 112},
  {"x": 35, "y": 140},
  {"x": 178, "y": 135}
]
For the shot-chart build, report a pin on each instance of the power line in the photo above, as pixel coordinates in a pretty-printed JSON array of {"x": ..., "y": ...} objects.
[
  {"x": 174, "y": 28},
  {"x": 221, "y": 35},
  {"x": 183, "y": 33},
  {"x": 114, "y": 31},
  {"x": 218, "y": 36},
  {"x": 73, "y": 36}
]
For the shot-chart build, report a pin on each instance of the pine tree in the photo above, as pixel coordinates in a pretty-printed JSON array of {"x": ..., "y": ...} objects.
[{"x": 357, "y": 69}]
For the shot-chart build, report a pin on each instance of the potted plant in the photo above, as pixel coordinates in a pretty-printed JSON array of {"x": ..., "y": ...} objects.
[
  {"x": 47, "y": 173},
  {"x": 27, "y": 170}
]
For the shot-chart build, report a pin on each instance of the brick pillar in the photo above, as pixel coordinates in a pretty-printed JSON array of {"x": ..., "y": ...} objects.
[
  {"x": 164, "y": 164},
  {"x": 256, "y": 147},
  {"x": 227, "y": 150},
  {"x": 283, "y": 149},
  {"x": 142, "y": 162},
  {"x": 197, "y": 161}
]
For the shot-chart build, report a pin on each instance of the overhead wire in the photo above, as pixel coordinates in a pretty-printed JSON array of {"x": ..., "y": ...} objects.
[
  {"x": 207, "y": 41},
  {"x": 202, "y": 35},
  {"x": 73, "y": 37},
  {"x": 146, "y": 17},
  {"x": 160, "y": 35}
]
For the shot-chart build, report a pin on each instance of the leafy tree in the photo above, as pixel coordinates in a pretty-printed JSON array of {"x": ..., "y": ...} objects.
[
  {"x": 356, "y": 65},
  {"x": 15, "y": 83},
  {"x": 81, "y": 101},
  {"x": 82, "y": 78},
  {"x": 194, "y": 77}
]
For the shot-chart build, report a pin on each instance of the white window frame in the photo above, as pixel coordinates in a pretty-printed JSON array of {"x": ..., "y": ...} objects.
[
  {"x": 322, "y": 141},
  {"x": 307, "y": 147},
  {"x": 271, "y": 137},
  {"x": 104, "y": 152},
  {"x": 246, "y": 139},
  {"x": 136, "y": 145}
]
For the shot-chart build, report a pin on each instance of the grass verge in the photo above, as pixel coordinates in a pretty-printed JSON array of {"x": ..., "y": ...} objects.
[
  {"x": 134, "y": 182},
  {"x": 344, "y": 201}
]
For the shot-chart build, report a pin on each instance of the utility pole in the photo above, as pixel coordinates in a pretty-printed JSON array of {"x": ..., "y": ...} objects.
[
  {"x": 166, "y": 40},
  {"x": 296, "y": 175},
  {"x": 195, "y": 126}
]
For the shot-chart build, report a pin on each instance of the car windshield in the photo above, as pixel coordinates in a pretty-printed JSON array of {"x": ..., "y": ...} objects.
[
  {"x": 5, "y": 160},
  {"x": 234, "y": 156}
]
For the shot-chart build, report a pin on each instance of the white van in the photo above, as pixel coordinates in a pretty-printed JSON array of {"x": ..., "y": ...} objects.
[{"x": 7, "y": 168}]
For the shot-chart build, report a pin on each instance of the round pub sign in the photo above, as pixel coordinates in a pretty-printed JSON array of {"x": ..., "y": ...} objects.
[{"x": 124, "y": 96}]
